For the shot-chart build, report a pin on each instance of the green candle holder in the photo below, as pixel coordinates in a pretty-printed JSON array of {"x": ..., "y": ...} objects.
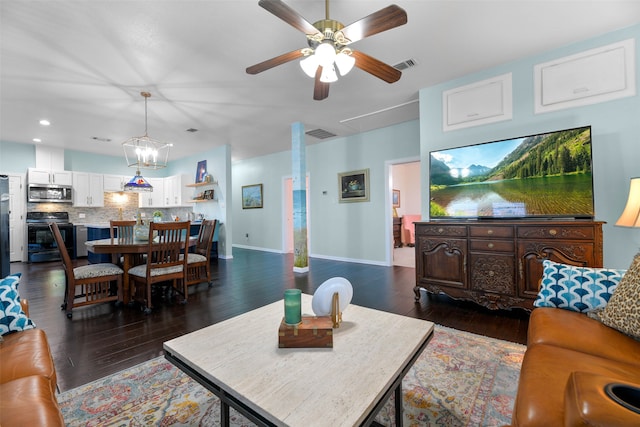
[{"x": 292, "y": 306}]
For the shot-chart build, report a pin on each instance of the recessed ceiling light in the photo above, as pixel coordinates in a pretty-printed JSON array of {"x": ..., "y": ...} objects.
[
  {"x": 37, "y": 140},
  {"x": 45, "y": 122}
]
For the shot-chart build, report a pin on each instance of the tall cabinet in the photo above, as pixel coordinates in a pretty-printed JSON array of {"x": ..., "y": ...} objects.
[{"x": 498, "y": 264}]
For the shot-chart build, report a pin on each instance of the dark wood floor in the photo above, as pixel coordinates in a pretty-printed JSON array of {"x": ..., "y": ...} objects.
[{"x": 103, "y": 339}]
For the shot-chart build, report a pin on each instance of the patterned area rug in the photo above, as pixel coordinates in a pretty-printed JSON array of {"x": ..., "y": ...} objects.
[{"x": 461, "y": 379}]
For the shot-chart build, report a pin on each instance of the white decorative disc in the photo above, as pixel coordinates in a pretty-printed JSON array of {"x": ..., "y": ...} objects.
[{"x": 323, "y": 297}]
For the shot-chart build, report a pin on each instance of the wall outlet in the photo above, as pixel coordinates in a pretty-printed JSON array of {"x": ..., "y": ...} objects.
[
  {"x": 142, "y": 214},
  {"x": 81, "y": 215}
]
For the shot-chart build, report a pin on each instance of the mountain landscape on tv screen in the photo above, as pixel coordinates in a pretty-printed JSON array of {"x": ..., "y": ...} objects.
[{"x": 554, "y": 167}]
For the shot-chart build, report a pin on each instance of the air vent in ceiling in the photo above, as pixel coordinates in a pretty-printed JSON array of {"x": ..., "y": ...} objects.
[
  {"x": 320, "y": 134},
  {"x": 192, "y": 130},
  {"x": 405, "y": 64}
]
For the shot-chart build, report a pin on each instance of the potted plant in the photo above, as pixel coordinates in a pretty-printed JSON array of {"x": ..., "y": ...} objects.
[{"x": 157, "y": 216}]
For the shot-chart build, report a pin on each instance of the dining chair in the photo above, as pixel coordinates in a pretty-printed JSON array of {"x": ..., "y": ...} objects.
[
  {"x": 87, "y": 284},
  {"x": 199, "y": 261},
  {"x": 167, "y": 242},
  {"x": 123, "y": 232}
]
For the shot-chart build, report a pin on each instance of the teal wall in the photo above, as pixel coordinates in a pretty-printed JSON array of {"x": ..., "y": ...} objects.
[
  {"x": 16, "y": 158},
  {"x": 345, "y": 231},
  {"x": 615, "y": 136}
]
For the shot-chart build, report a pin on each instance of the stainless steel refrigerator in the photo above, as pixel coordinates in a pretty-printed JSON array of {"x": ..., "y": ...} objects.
[{"x": 4, "y": 226}]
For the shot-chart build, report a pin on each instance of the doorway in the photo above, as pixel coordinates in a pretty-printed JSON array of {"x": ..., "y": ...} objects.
[
  {"x": 17, "y": 208},
  {"x": 406, "y": 207}
]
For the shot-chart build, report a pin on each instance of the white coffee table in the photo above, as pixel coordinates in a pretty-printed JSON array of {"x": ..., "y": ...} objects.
[{"x": 239, "y": 361}]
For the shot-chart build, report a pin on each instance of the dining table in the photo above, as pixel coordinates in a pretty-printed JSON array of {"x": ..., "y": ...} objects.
[{"x": 131, "y": 251}]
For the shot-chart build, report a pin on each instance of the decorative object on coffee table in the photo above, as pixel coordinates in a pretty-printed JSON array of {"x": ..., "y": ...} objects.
[{"x": 332, "y": 298}]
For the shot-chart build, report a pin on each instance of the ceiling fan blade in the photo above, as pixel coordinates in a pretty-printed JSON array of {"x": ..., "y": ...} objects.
[
  {"x": 320, "y": 89},
  {"x": 382, "y": 20},
  {"x": 288, "y": 15},
  {"x": 273, "y": 62},
  {"x": 375, "y": 67}
]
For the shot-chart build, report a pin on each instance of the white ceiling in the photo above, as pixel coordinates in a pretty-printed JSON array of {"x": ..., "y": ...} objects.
[{"x": 83, "y": 64}]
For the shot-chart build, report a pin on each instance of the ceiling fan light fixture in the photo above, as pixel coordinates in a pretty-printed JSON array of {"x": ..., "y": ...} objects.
[
  {"x": 329, "y": 75},
  {"x": 345, "y": 63},
  {"x": 309, "y": 65},
  {"x": 326, "y": 54}
]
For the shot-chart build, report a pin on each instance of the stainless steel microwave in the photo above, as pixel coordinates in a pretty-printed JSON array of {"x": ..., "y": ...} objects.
[{"x": 49, "y": 193}]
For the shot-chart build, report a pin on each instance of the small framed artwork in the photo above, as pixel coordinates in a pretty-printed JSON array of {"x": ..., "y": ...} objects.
[
  {"x": 252, "y": 196},
  {"x": 201, "y": 171},
  {"x": 207, "y": 195},
  {"x": 396, "y": 198},
  {"x": 353, "y": 186}
]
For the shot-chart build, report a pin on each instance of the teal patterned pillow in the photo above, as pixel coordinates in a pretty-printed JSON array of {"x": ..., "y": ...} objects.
[
  {"x": 12, "y": 318},
  {"x": 582, "y": 289}
]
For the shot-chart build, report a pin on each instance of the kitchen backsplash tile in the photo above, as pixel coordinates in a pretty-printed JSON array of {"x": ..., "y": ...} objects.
[{"x": 112, "y": 203}]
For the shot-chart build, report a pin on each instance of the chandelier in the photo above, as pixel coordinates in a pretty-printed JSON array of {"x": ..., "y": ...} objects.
[{"x": 144, "y": 152}]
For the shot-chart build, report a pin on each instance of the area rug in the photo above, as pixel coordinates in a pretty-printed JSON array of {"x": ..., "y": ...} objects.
[{"x": 461, "y": 379}]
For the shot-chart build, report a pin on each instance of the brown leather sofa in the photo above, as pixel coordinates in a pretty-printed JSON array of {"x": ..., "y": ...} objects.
[
  {"x": 570, "y": 358},
  {"x": 27, "y": 380}
]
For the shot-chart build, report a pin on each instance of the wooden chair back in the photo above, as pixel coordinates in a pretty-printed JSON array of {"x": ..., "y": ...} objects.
[
  {"x": 124, "y": 230},
  {"x": 124, "y": 234},
  {"x": 64, "y": 254},
  {"x": 205, "y": 237},
  {"x": 167, "y": 240}
]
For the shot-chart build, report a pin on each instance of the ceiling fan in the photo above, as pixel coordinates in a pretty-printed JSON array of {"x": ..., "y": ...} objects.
[{"x": 328, "y": 48}]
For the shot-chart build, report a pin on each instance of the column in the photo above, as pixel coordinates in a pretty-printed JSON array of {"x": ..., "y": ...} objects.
[{"x": 299, "y": 185}]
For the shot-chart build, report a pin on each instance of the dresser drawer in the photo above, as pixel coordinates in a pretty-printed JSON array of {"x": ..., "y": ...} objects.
[
  {"x": 490, "y": 231},
  {"x": 578, "y": 232},
  {"x": 440, "y": 230},
  {"x": 492, "y": 245}
]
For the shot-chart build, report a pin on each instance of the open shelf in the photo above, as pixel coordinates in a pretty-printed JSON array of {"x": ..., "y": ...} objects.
[
  {"x": 201, "y": 184},
  {"x": 201, "y": 200}
]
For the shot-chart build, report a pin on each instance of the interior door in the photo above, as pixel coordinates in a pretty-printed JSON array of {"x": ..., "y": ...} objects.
[{"x": 17, "y": 197}]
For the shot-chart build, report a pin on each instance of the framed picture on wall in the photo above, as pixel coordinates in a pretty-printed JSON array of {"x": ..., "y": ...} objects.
[
  {"x": 252, "y": 196},
  {"x": 396, "y": 198},
  {"x": 353, "y": 186},
  {"x": 201, "y": 171}
]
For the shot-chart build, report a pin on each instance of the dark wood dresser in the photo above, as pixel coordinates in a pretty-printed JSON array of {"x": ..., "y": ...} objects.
[
  {"x": 498, "y": 264},
  {"x": 397, "y": 231}
]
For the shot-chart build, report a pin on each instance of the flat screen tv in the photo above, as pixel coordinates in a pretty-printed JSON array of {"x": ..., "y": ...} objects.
[{"x": 538, "y": 176}]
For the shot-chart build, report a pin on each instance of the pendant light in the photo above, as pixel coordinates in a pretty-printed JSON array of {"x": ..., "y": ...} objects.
[{"x": 144, "y": 152}]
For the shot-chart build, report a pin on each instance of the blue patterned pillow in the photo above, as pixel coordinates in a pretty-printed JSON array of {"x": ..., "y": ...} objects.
[
  {"x": 12, "y": 318},
  {"x": 574, "y": 288}
]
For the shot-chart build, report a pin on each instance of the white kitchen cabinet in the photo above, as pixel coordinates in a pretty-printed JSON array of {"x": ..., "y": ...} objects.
[
  {"x": 155, "y": 198},
  {"x": 114, "y": 183},
  {"x": 47, "y": 176},
  {"x": 175, "y": 191},
  {"x": 88, "y": 189},
  {"x": 49, "y": 158}
]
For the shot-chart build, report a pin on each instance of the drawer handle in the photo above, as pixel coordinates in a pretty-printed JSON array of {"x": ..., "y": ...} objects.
[
  {"x": 440, "y": 230},
  {"x": 489, "y": 231},
  {"x": 553, "y": 232},
  {"x": 490, "y": 245}
]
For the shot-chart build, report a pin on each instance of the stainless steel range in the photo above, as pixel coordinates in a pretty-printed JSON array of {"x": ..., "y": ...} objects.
[{"x": 41, "y": 244}]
